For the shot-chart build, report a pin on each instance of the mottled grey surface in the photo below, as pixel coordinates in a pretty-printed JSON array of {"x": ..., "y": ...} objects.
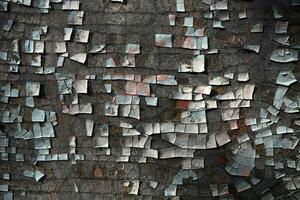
[{"x": 137, "y": 21}]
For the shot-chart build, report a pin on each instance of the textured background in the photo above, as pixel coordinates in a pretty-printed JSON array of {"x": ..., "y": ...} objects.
[{"x": 137, "y": 21}]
